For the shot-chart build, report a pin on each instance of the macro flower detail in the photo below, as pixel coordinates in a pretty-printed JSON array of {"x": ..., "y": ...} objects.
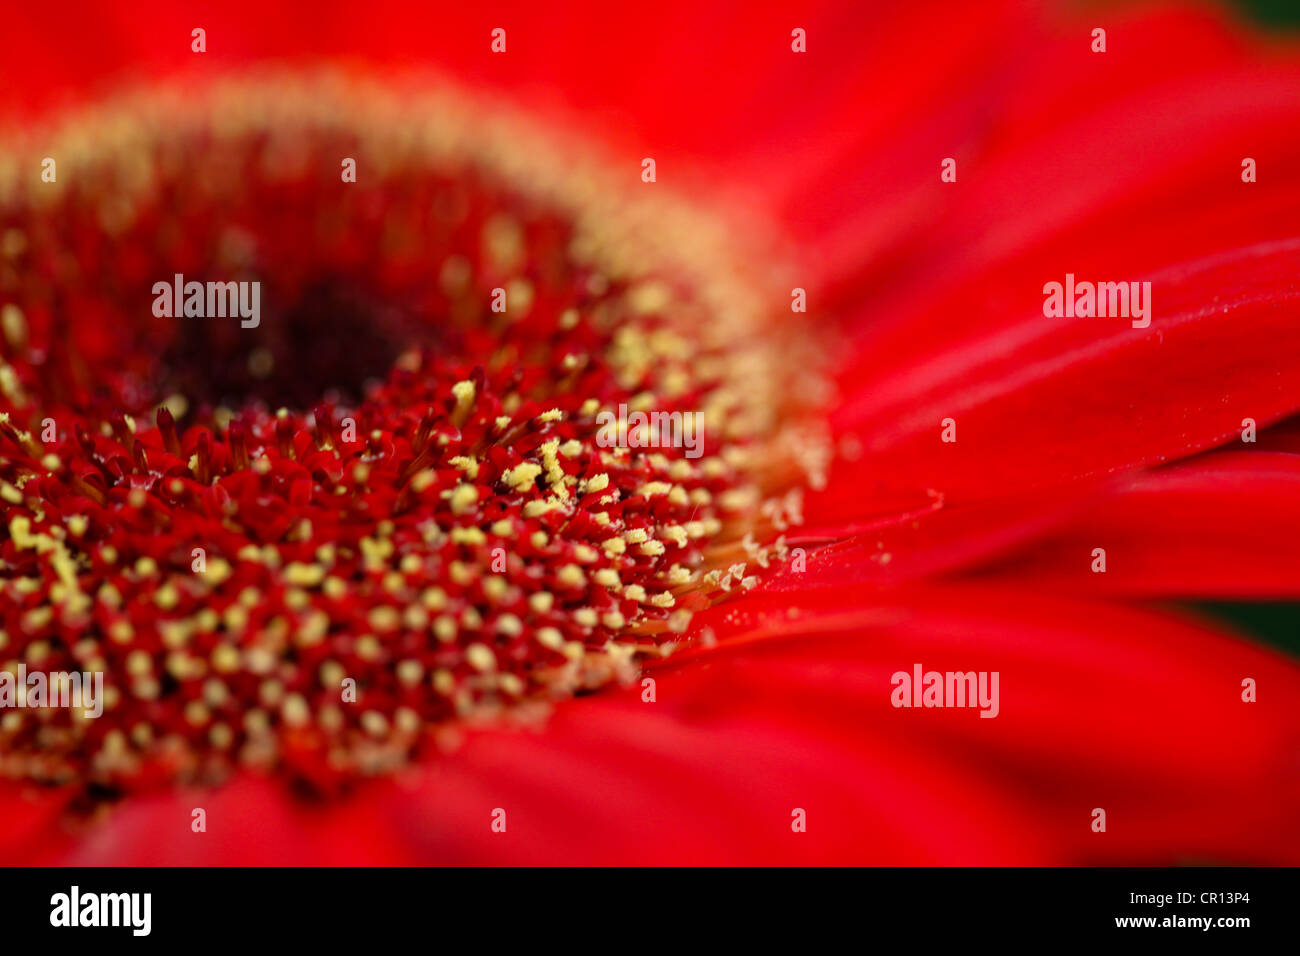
[
  {"x": 428, "y": 528},
  {"x": 344, "y": 412}
]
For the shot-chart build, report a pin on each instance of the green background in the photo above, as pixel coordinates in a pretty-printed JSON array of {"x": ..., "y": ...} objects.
[{"x": 1284, "y": 13}]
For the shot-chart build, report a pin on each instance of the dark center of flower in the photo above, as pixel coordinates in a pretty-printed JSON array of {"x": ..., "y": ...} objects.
[
  {"x": 395, "y": 502},
  {"x": 335, "y": 336}
]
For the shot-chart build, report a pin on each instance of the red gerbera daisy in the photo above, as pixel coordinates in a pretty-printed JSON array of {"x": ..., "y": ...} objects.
[{"x": 381, "y": 566}]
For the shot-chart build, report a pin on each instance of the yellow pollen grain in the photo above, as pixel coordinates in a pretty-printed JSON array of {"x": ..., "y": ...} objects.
[
  {"x": 259, "y": 660},
  {"x": 678, "y": 575},
  {"x": 332, "y": 674},
  {"x": 219, "y": 569},
  {"x": 470, "y": 536},
  {"x": 406, "y": 720},
  {"x": 12, "y": 320},
  {"x": 175, "y": 634},
  {"x": 522, "y": 475},
  {"x": 295, "y": 711},
  {"x": 38, "y": 618},
  {"x": 304, "y": 575},
  {"x": 535, "y": 509},
  {"x": 465, "y": 464},
  {"x": 225, "y": 659},
  {"x": 139, "y": 663},
  {"x": 415, "y": 617},
  {"x": 511, "y": 684},
  {"x": 270, "y": 693},
  {"x": 571, "y": 575},
  {"x": 480, "y": 657},
  {"x": 215, "y": 692},
  {"x": 410, "y": 672},
  {"x": 463, "y": 391},
  {"x": 376, "y": 552},
  {"x": 674, "y": 533},
  {"x": 312, "y": 629},
  {"x": 462, "y": 573},
  {"x": 443, "y": 681},
  {"x": 494, "y": 588},
  {"x": 463, "y": 498},
  {"x": 256, "y": 722},
  {"x": 196, "y": 713},
  {"x": 167, "y": 597},
  {"x": 423, "y": 481}
]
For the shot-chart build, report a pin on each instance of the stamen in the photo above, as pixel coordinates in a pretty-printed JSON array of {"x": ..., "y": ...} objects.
[{"x": 278, "y": 563}]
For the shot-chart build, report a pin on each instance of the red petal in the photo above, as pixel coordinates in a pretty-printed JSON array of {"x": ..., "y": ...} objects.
[
  {"x": 1099, "y": 707},
  {"x": 962, "y": 335},
  {"x": 31, "y": 832},
  {"x": 1138, "y": 713},
  {"x": 1219, "y": 525},
  {"x": 1038, "y": 401},
  {"x": 914, "y": 545}
]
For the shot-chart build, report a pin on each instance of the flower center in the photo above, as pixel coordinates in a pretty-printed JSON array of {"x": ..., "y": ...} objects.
[{"x": 415, "y": 491}]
